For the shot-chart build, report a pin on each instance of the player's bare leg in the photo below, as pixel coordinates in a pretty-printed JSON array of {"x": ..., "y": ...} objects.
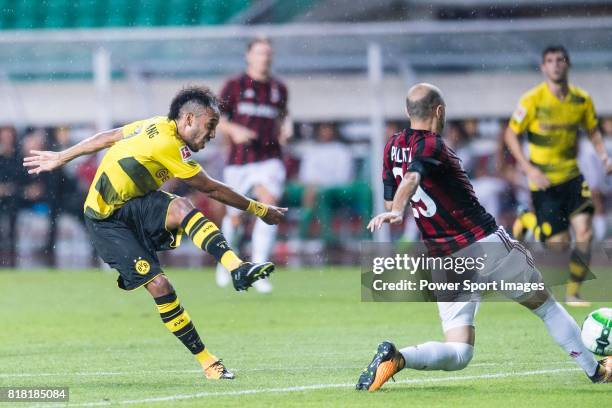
[
  {"x": 177, "y": 320},
  {"x": 580, "y": 258},
  {"x": 205, "y": 235},
  {"x": 455, "y": 353},
  {"x": 566, "y": 333},
  {"x": 263, "y": 237}
]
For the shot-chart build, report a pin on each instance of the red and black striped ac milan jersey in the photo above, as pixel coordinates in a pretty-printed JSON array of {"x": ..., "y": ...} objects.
[
  {"x": 444, "y": 205},
  {"x": 260, "y": 106}
]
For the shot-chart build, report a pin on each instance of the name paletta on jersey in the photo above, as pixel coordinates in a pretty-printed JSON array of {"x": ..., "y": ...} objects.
[
  {"x": 400, "y": 154},
  {"x": 258, "y": 110}
]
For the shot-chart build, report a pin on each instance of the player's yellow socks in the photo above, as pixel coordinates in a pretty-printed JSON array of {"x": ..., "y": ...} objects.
[
  {"x": 578, "y": 269},
  {"x": 205, "y": 358},
  {"x": 529, "y": 220},
  {"x": 230, "y": 260},
  {"x": 205, "y": 234},
  {"x": 177, "y": 320}
]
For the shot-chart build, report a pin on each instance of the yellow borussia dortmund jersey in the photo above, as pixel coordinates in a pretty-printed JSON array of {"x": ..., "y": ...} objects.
[
  {"x": 552, "y": 128},
  {"x": 150, "y": 153}
]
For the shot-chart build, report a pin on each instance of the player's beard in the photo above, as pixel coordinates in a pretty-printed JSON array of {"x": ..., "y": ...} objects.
[
  {"x": 193, "y": 148},
  {"x": 560, "y": 80}
]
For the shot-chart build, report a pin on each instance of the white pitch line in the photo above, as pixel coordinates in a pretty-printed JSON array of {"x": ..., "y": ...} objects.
[
  {"x": 318, "y": 387},
  {"x": 240, "y": 370},
  {"x": 142, "y": 372}
]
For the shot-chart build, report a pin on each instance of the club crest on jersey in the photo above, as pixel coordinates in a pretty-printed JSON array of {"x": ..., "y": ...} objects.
[
  {"x": 249, "y": 93},
  {"x": 185, "y": 153}
]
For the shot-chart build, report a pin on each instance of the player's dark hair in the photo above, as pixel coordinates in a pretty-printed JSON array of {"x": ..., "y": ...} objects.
[
  {"x": 554, "y": 49},
  {"x": 422, "y": 108},
  {"x": 258, "y": 40},
  {"x": 201, "y": 95}
]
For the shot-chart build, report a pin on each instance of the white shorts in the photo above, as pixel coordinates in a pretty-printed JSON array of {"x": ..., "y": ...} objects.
[
  {"x": 457, "y": 314},
  {"x": 243, "y": 178},
  {"x": 506, "y": 259}
]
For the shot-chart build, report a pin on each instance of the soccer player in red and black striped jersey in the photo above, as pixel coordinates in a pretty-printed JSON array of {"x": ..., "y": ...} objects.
[
  {"x": 419, "y": 168},
  {"x": 444, "y": 205},
  {"x": 254, "y": 106}
]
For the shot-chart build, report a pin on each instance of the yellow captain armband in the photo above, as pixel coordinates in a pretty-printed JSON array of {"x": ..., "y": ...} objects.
[{"x": 257, "y": 208}]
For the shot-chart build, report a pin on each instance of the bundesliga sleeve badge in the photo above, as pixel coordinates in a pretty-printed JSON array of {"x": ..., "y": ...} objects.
[
  {"x": 185, "y": 154},
  {"x": 519, "y": 114}
]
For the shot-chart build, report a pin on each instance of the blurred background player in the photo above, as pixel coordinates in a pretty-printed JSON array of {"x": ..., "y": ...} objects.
[
  {"x": 420, "y": 170},
  {"x": 551, "y": 113},
  {"x": 254, "y": 105}
]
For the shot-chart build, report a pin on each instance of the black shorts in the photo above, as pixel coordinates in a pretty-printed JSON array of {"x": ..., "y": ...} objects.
[
  {"x": 128, "y": 240},
  {"x": 557, "y": 204}
]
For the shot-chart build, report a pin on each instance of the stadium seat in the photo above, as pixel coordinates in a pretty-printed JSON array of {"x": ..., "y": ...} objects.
[
  {"x": 210, "y": 13},
  {"x": 87, "y": 13},
  {"x": 118, "y": 13},
  {"x": 180, "y": 14},
  {"x": 26, "y": 14},
  {"x": 286, "y": 10},
  {"x": 233, "y": 7},
  {"x": 7, "y": 14},
  {"x": 147, "y": 13},
  {"x": 56, "y": 14}
]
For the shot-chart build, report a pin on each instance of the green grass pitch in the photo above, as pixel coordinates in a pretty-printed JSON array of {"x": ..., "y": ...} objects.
[{"x": 303, "y": 345}]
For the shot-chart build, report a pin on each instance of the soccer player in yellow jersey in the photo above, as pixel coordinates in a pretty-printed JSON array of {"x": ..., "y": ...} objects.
[
  {"x": 551, "y": 115},
  {"x": 129, "y": 219}
]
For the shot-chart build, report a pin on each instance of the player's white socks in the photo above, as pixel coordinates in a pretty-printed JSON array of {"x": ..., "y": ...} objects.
[
  {"x": 564, "y": 330},
  {"x": 263, "y": 240},
  {"x": 434, "y": 355}
]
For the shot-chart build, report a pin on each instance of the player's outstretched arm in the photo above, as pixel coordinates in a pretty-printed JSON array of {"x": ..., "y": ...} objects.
[
  {"x": 42, "y": 161},
  {"x": 600, "y": 148},
  {"x": 226, "y": 195},
  {"x": 404, "y": 193},
  {"x": 534, "y": 174}
]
